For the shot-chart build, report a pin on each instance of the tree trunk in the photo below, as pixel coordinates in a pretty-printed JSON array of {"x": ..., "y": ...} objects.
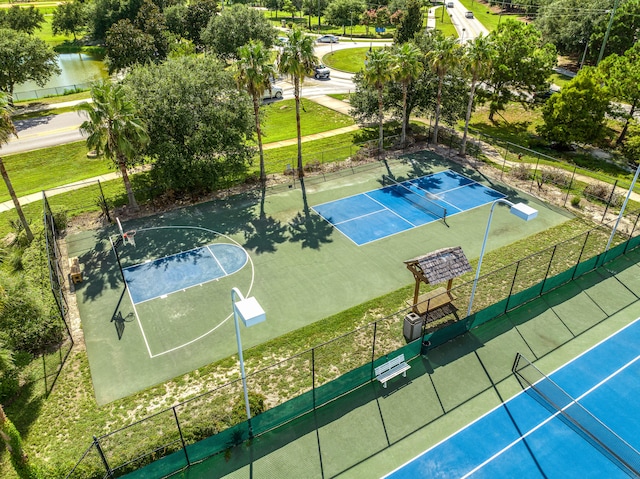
[
  {"x": 380, "y": 121},
  {"x": 256, "y": 113},
  {"x": 403, "y": 134},
  {"x": 16, "y": 203},
  {"x": 435, "y": 125},
  {"x": 463, "y": 146},
  {"x": 623, "y": 133},
  {"x": 296, "y": 93},
  {"x": 122, "y": 164}
]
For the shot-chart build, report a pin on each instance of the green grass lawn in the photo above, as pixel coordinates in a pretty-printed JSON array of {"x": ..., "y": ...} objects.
[
  {"x": 46, "y": 33},
  {"x": 349, "y": 60},
  {"x": 482, "y": 12},
  {"x": 559, "y": 79},
  {"x": 52, "y": 100},
  {"x": 443, "y": 23},
  {"x": 280, "y": 120},
  {"x": 31, "y": 172}
]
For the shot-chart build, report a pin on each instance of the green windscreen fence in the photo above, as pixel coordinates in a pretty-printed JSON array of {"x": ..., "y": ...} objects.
[
  {"x": 363, "y": 374},
  {"x": 206, "y": 448},
  {"x": 557, "y": 280},
  {"x": 285, "y": 412},
  {"x": 342, "y": 385}
]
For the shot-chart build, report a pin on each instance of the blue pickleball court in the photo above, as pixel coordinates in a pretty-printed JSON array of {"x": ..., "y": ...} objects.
[
  {"x": 163, "y": 276},
  {"x": 396, "y": 208},
  {"x": 593, "y": 431}
]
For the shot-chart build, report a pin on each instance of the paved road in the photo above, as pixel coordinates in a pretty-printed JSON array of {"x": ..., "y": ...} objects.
[
  {"x": 51, "y": 130},
  {"x": 41, "y": 132},
  {"x": 467, "y": 28},
  {"x": 337, "y": 105}
]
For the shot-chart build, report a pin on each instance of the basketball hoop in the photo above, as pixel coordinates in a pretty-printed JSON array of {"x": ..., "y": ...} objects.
[{"x": 129, "y": 237}]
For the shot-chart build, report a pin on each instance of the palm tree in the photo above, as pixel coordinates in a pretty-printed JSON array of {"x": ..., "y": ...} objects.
[
  {"x": 297, "y": 59},
  {"x": 444, "y": 57},
  {"x": 114, "y": 129},
  {"x": 254, "y": 72},
  {"x": 477, "y": 62},
  {"x": 407, "y": 67},
  {"x": 6, "y": 130},
  {"x": 377, "y": 73}
]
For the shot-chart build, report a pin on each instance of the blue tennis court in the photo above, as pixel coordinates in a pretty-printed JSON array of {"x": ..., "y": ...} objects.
[
  {"x": 163, "y": 276},
  {"x": 527, "y": 438},
  {"x": 376, "y": 214}
]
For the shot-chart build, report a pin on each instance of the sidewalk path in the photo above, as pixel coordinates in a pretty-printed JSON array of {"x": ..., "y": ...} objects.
[
  {"x": 327, "y": 101},
  {"x": 324, "y": 100}
]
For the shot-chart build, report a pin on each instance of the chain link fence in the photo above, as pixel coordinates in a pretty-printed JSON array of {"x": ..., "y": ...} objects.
[
  {"x": 53, "y": 91},
  {"x": 207, "y": 425}
]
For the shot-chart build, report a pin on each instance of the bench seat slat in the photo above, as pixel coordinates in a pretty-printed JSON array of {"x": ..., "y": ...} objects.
[{"x": 391, "y": 369}]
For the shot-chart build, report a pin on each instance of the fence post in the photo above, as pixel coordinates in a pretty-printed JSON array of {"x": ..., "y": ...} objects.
[
  {"x": 184, "y": 446},
  {"x": 104, "y": 459},
  {"x": 373, "y": 348},
  {"x": 535, "y": 172},
  {"x": 313, "y": 376},
  {"x": 546, "y": 275},
  {"x": 570, "y": 185},
  {"x": 613, "y": 190},
  {"x": 584, "y": 245},
  {"x": 513, "y": 282},
  {"x": 632, "y": 231}
]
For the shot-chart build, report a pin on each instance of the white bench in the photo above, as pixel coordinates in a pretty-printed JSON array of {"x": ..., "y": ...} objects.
[{"x": 391, "y": 369}]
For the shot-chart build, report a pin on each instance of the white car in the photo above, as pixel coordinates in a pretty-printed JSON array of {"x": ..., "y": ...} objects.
[
  {"x": 274, "y": 92},
  {"x": 327, "y": 39}
]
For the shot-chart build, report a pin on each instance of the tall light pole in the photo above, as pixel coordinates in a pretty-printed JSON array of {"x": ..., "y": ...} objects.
[
  {"x": 624, "y": 207},
  {"x": 606, "y": 34},
  {"x": 250, "y": 312},
  {"x": 522, "y": 211}
]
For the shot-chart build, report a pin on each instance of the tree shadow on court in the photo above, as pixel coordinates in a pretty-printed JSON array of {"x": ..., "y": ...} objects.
[
  {"x": 100, "y": 269},
  {"x": 264, "y": 233},
  {"x": 308, "y": 229}
]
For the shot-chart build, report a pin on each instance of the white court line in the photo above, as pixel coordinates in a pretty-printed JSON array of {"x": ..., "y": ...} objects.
[
  {"x": 359, "y": 217},
  {"x": 215, "y": 258},
  {"x": 135, "y": 311},
  {"x": 389, "y": 209},
  {"x": 164, "y": 295},
  {"x": 249, "y": 260},
  {"x": 491, "y": 411},
  {"x": 575, "y": 401}
]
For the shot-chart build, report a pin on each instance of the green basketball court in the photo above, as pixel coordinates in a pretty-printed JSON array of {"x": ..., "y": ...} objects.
[{"x": 298, "y": 266}]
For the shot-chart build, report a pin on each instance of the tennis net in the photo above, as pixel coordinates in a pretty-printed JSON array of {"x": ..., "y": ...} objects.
[
  {"x": 419, "y": 197},
  {"x": 614, "y": 447}
]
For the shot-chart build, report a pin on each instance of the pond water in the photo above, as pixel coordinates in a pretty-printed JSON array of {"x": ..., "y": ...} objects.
[{"x": 77, "y": 69}]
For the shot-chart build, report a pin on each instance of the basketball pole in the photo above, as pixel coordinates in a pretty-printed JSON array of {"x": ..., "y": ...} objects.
[{"x": 115, "y": 251}]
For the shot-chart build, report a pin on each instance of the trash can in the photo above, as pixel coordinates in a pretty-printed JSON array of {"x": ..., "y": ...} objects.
[{"x": 412, "y": 327}]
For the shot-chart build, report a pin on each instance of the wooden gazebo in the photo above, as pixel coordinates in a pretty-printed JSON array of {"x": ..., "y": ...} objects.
[{"x": 434, "y": 268}]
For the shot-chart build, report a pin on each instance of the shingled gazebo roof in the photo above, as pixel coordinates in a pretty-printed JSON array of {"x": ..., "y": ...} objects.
[{"x": 441, "y": 265}]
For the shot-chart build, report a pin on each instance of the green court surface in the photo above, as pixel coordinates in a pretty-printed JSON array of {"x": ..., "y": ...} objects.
[
  {"x": 371, "y": 431},
  {"x": 301, "y": 270}
]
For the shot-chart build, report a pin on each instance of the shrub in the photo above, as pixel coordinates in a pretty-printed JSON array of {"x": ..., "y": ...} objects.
[
  {"x": 555, "y": 176},
  {"x": 575, "y": 201},
  {"x": 239, "y": 413},
  {"x": 26, "y": 323},
  {"x": 603, "y": 192},
  {"x": 520, "y": 172}
]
